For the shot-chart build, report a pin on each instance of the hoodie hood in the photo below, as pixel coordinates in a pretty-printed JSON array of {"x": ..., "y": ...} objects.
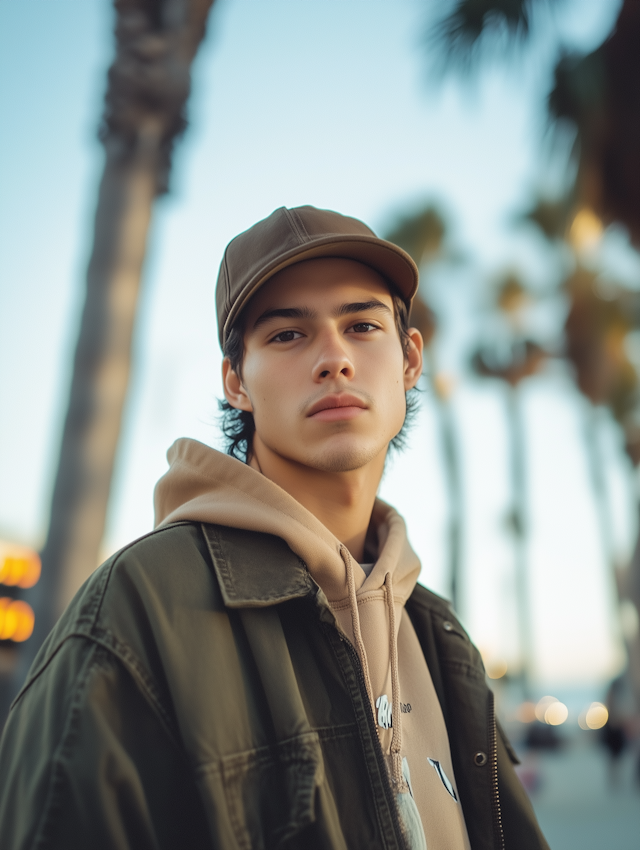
[{"x": 205, "y": 485}]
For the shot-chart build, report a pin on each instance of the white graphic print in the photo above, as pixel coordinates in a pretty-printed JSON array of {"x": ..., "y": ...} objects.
[
  {"x": 384, "y": 712},
  {"x": 443, "y": 776},
  {"x": 407, "y": 774}
]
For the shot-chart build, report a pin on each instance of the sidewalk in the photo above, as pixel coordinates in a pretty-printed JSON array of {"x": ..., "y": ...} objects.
[{"x": 577, "y": 807}]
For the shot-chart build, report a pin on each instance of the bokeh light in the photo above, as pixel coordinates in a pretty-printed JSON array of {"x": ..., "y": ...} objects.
[
  {"x": 586, "y": 230},
  {"x": 526, "y": 712},
  {"x": 556, "y": 714},
  {"x": 16, "y": 620},
  {"x": 19, "y": 566},
  {"x": 497, "y": 669},
  {"x": 542, "y": 706},
  {"x": 594, "y": 717}
]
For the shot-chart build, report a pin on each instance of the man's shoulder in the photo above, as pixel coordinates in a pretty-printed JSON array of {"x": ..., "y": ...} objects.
[
  {"x": 177, "y": 535},
  {"x": 160, "y": 546},
  {"x": 152, "y": 597},
  {"x": 182, "y": 554},
  {"x": 443, "y": 638},
  {"x": 155, "y": 571},
  {"x": 175, "y": 547},
  {"x": 177, "y": 565},
  {"x": 424, "y": 599},
  {"x": 425, "y": 604},
  {"x": 144, "y": 574},
  {"x": 167, "y": 556}
]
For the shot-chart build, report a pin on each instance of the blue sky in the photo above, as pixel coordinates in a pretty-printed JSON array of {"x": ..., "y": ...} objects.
[{"x": 331, "y": 104}]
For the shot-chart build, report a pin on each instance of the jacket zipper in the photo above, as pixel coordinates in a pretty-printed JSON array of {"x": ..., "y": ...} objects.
[
  {"x": 382, "y": 767},
  {"x": 495, "y": 796}
]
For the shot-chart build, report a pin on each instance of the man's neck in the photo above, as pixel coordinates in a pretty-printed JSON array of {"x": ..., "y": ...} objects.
[{"x": 342, "y": 501}]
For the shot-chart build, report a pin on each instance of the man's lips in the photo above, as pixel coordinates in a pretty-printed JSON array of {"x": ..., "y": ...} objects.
[{"x": 334, "y": 407}]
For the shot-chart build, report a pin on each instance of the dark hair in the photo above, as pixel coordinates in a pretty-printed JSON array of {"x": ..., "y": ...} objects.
[{"x": 238, "y": 426}]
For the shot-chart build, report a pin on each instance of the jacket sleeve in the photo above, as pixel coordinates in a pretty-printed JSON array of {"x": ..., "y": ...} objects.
[{"x": 85, "y": 764}]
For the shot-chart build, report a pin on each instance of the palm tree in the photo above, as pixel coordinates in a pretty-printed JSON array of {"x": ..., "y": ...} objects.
[
  {"x": 512, "y": 364},
  {"x": 598, "y": 94},
  {"x": 148, "y": 86},
  {"x": 595, "y": 333},
  {"x": 422, "y": 234}
]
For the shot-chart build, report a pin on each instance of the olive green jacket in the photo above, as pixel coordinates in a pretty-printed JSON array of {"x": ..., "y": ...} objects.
[{"x": 197, "y": 693}]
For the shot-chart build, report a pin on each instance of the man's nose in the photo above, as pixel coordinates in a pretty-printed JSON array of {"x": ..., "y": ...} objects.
[{"x": 333, "y": 358}]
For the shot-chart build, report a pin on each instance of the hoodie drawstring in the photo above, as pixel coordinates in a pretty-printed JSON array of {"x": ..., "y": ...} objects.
[
  {"x": 396, "y": 723},
  {"x": 355, "y": 621}
]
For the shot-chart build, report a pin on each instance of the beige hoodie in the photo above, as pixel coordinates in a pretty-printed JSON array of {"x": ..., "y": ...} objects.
[{"x": 205, "y": 485}]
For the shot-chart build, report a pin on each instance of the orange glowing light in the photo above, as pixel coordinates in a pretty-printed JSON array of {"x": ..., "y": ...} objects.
[
  {"x": 586, "y": 230},
  {"x": 19, "y": 566},
  {"x": 16, "y": 619}
]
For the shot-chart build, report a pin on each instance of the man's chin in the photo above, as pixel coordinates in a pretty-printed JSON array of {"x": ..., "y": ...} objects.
[
  {"x": 341, "y": 453},
  {"x": 346, "y": 458}
]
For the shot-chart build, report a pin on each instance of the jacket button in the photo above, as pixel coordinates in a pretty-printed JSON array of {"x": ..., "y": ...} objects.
[
  {"x": 480, "y": 759},
  {"x": 447, "y": 626}
]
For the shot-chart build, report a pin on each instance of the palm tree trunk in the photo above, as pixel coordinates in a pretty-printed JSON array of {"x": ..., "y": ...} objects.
[
  {"x": 452, "y": 467},
  {"x": 599, "y": 484},
  {"x": 100, "y": 379},
  {"x": 451, "y": 459},
  {"x": 603, "y": 508},
  {"x": 149, "y": 84},
  {"x": 631, "y": 589},
  {"x": 626, "y": 584},
  {"x": 519, "y": 526}
]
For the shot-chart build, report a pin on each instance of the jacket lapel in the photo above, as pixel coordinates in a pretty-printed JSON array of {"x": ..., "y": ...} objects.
[{"x": 255, "y": 570}]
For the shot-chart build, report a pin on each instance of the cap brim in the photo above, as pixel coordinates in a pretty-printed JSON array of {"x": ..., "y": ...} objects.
[{"x": 387, "y": 259}]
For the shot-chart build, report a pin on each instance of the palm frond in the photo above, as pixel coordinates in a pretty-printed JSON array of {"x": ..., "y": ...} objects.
[
  {"x": 552, "y": 217},
  {"x": 420, "y": 234},
  {"x": 579, "y": 87},
  {"x": 458, "y": 38}
]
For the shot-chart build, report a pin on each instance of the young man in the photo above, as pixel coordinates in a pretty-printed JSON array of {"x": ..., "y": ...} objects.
[{"x": 263, "y": 671}]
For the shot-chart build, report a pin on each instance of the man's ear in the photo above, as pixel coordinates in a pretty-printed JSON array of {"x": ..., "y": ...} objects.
[
  {"x": 413, "y": 359},
  {"x": 234, "y": 391}
]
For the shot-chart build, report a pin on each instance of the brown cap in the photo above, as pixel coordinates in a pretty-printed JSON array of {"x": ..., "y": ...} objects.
[{"x": 289, "y": 236}]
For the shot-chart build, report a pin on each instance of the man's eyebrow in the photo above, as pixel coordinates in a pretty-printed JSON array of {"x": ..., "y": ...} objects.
[
  {"x": 361, "y": 307},
  {"x": 284, "y": 313},
  {"x": 308, "y": 313}
]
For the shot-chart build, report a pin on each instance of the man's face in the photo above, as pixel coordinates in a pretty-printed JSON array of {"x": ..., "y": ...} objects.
[{"x": 324, "y": 371}]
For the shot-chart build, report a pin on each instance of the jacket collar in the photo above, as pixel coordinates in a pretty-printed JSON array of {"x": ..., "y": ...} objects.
[{"x": 255, "y": 570}]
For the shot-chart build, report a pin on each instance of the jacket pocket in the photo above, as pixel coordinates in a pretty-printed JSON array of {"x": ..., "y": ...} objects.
[{"x": 270, "y": 792}]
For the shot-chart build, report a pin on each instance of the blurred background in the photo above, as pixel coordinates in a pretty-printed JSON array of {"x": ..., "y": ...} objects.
[{"x": 495, "y": 140}]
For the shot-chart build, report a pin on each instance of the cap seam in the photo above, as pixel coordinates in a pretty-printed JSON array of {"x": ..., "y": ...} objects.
[
  {"x": 300, "y": 223},
  {"x": 227, "y": 283},
  {"x": 293, "y": 224}
]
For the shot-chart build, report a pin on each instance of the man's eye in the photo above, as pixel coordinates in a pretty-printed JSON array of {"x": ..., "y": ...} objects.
[
  {"x": 363, "y": 327},
  {"x": 286, "y": 336}
]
